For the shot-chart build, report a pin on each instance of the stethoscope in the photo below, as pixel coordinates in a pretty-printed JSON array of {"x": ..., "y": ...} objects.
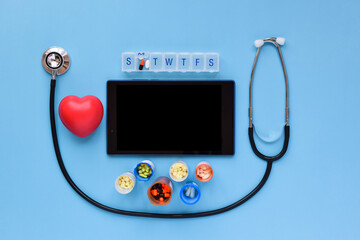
[
  {"x": 259, "y": 43},
  {"x": 56, "y": 61}
]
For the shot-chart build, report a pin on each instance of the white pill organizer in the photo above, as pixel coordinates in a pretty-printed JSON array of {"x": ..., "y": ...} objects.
[{"x": 170, "y": 62}]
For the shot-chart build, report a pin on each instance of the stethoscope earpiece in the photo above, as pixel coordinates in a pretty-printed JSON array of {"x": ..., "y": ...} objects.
[
  {"x": 258, "y": 43},
  {"x": 56, "y": 61},
  {"x": 279, "y": 40}
]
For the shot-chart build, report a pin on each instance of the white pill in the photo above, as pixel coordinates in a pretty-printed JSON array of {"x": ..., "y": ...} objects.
[
  {"x": 192, "y": 193},
  {"x": 188, "y": 191},
  {"x": 206, "y": 176},
  {"x": 147, "y": 64}
]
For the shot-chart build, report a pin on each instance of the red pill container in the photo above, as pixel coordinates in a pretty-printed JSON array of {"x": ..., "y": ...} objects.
[
  {"x": 161, "y": 197},
  {"x": 204, "y": 172}
]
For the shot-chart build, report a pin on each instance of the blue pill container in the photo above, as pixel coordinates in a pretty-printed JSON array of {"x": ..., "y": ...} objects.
[
  {"x": 189, "y": 200},
  {"x": 152, "y": 167}
]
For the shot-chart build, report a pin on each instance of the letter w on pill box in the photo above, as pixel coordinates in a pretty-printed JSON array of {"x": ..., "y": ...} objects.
[{"x": 170, "y": 62}]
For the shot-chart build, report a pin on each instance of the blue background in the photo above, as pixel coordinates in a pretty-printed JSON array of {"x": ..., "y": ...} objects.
[{"x": 312, "y": 193}]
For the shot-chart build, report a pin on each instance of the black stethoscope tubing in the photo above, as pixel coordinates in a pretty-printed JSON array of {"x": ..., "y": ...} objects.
[{"x": 268, "y": 159}]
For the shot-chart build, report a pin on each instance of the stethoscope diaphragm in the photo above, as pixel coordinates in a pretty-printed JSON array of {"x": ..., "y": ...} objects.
[{"x": 56, "y": 61}]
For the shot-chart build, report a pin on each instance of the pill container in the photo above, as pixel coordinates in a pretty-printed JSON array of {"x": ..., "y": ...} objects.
[
  {"x": 123, "y": 190},
  {"x": 171, "y": 62},
  {"x": 190, "y": 193},
  {"x": 204, "y": 172},
  {"x": 160, "y": 192},
  {"x": 150, "y": 164},
  {"x": 179, "y": 163}
]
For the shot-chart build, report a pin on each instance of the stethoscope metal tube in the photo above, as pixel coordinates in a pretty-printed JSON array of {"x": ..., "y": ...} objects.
[{"x": 259, "y": 44}]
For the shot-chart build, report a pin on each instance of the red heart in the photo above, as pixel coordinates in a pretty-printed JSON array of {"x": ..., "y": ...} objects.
[{"x": 81, "y": 115}]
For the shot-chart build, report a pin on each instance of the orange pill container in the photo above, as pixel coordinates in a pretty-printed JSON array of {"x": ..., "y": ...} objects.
[
  {"x": 204, "y": 172},
  {"x": 160, "y": 192}
]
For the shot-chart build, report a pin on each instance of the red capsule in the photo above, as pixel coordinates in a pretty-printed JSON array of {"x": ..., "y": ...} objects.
[{"x": 142, "y": 63}]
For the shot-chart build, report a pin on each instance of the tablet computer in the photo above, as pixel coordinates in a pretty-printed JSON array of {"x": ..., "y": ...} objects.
[{"x": 170, "y": 117}]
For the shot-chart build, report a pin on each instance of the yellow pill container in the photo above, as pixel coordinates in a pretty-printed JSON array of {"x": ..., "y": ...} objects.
[
  {"x": 179, "y": 171},
  {"x": 125, "y": 183}
]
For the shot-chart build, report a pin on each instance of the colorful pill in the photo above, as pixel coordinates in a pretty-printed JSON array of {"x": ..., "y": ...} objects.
[{"x": 142, "y": 63}]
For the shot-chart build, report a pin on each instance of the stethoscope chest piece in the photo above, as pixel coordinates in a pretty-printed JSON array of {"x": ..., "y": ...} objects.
[{"x": 56, "y": 61}]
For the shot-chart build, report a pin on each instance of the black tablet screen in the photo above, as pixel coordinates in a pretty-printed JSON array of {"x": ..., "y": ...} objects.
[{"x": 171, "y": 117}]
